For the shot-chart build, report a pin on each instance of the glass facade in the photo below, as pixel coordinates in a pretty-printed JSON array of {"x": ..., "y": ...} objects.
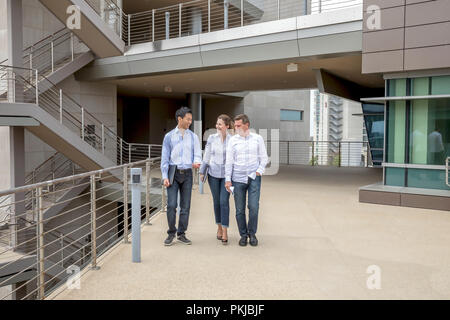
[
  {"x": 418, "y": 132},
  {"x": 374, "y": 121},
  {"x": 291, "y": 115}
]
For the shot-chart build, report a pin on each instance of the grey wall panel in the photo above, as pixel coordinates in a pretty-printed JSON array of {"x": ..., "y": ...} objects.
[
  {"x": 347, "y": 42},
  {"x": 427, "y": 35},
  {"x": 171, "y": 63},
  {"x": 262, "y": 52},
  {"x": 427, "y": 58},
  {"x": 379, "y": 62},
  {"x": 427, "y": 12},
  {"x": 383, "y": 3},
  {"x": 384, "y": 40},
  {"x": 390, "y": 18}
]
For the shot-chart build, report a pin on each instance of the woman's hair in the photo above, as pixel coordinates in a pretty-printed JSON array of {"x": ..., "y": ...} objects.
[{"x": 227, "y": 120}]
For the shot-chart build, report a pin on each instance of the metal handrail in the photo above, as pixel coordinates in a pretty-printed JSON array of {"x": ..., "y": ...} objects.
[
  {"x": 55, "y": 101},
  {"x": 76, "y": 176},
  {"x": 176, "y": 21},
  {"x": 49, "y": 253}
]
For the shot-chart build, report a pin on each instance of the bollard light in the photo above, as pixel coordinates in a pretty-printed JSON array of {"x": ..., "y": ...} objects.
[{"x": 135, "y": 181}]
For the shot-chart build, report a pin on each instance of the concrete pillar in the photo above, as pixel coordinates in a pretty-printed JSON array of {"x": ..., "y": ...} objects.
[
  {"x": 196, "y": 21},
  {"x": 16, "y": 134},
  {"x": 195, "y": 104}
]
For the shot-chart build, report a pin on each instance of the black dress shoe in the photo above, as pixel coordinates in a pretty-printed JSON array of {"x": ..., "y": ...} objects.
[
  {"x": 253, "y": 241},
  {"x": 243, "y": 241}
]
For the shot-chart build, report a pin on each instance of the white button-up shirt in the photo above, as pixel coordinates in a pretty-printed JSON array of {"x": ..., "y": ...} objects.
[
  {"x": 215, "y": 155},
  {"x": 246, "y": 156}
]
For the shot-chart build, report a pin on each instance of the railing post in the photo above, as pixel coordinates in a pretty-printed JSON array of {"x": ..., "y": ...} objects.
[
  {"x": 93, "y": 224},
  {"x": 125, "y": 204},
  {"x": 40, "y": 247},
  {"x": 149, "y": 151},
  {"x": 278, "y": 9},
  {"x": 51, "y": 50},
  {"x": 312, "y": 159},
  {"x": 209, "y": 15},
  {"x": 339, "y": 155},
  {"x": 348, "y": 152},
  {"x": 163, "y": 199},
  {"x": 13, "y": 87},
  {"x": 225, "y": 14},
  {"x": 82, "y": 123},
  {"x": 129, "y": 29},
  {"x": 306, "y": 6},
  {"x": 71, "y": 46},
  {"x": 37, "y": 87},
  {"x": 147, "y": 192},
  {"x": 167, "y": 25},
  {"x": 288, "y": 151},
  {"x": 179, "y": 19},
  {"x": 31, "y": 63},
  {"x": 242, "y": 13},
  {"x": 103, "y": 138},
  {"x": 366, "y": 160},
  {"x": 320, "y": 6},
  {"x": 121, "y": 150},
  {"x": 129, "y": 152},
  {"x": 153, "y": 25},
  {"x": 61, "y": 242},
  {"x": 60, "y": 106}
]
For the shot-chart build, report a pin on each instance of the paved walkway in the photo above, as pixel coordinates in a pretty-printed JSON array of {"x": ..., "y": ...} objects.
[{"x": 316, "y": 242}]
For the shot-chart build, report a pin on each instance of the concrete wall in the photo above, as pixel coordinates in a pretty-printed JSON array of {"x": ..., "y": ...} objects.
[
  {"x": 3, "y": 31},
  {"x": 414, "y": 35},
  {"x": 263, "y": 109},
  {"x": 162, "y": 117}
]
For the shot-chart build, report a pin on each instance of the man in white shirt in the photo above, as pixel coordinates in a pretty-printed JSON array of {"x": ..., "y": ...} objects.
[{"x": 245, "y": 164}]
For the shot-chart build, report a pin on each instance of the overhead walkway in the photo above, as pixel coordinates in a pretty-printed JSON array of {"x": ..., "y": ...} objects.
[
  {"x": 334, "y": 33},
  {"x": 316, "y": 241}
]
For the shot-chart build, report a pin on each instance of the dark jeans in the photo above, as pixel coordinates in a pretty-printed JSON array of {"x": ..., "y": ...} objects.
[
  {"x": 182, "y": 182},
  {"x": 253, "y": 187},
  {"x": 221, "y": 200}
]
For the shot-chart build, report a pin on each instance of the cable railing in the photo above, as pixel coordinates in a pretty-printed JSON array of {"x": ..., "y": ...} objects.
[
  {"x": 51, "y": 53},
  {"x": 41, "y": 91},
  {"x": 201, "y": 16},
  {"x": 323, "y": 153},
  {"x": 44, "y": 251}
]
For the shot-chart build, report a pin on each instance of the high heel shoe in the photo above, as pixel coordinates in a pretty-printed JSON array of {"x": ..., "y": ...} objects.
[{"x": 224, "y": 241}]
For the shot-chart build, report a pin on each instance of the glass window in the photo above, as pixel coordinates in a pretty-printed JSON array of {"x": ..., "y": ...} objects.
[
  {"x": 395, "y": 177},
  {"x": 291, "y": 115},
  {"x": 420, "y": 86},
  {"x": 430, "y": 131},
  {"x": 440, "y": 85},
  {"x": 397, "y": 87},
  {"x": 396, "y": 132},
  {"x": 426, "y": 178}
]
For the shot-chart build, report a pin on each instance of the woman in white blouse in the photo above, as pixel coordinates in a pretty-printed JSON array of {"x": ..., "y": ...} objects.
[{"x": 214, "y": 161}]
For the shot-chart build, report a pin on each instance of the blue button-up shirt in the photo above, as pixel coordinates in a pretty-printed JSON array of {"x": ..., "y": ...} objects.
[
  {"x": 246, "y": 156},
  {"x": 180, "y": 151},
  {"x": 215, "y": 155}
]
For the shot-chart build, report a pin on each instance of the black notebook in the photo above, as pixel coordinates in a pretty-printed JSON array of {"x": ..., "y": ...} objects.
[{"x": 170, "y": 174}]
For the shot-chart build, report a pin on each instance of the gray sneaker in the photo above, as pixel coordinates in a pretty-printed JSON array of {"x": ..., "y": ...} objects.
[
  {"x": 169, "y": 240},
  {"x": 184, "y": 240}
]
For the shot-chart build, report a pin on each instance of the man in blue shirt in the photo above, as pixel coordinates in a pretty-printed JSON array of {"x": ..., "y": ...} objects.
[{"x": 180, "y": 153}]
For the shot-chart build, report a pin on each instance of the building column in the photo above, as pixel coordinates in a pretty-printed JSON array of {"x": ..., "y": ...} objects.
[
  {"x": 195, "y": 104},
  {"x": 16, "y": 134}
]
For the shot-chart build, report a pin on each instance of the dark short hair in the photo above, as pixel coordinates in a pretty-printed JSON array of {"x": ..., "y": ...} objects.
[
  {"x": 182, "y": 112},
  {"x": 242, "y": 117}
]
